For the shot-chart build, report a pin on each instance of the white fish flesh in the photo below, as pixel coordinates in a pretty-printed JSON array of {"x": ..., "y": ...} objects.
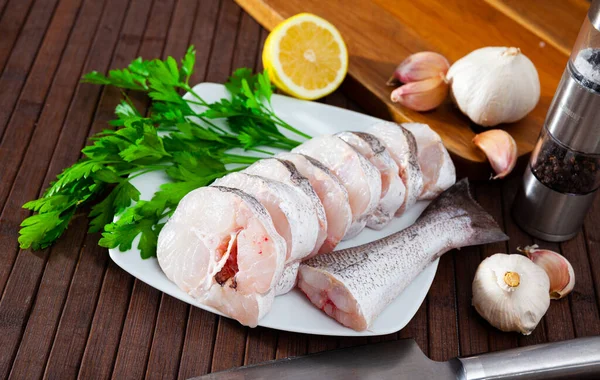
[
  {"x": 331, "y": 192},
  {"x": 435, "y": 162},
  {"x": 286, "y": 172},
  {"x": 221, "y": 247},
  {"x": 360, "y": 178},
  {"x": 393, "y": 191},
  {"x": 292, "y": 214},
  {"x": 402, "y": 146},
  {"x": 354, "y": 285}
]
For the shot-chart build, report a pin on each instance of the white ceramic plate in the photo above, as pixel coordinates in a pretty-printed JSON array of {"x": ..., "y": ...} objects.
[{"x": 293, "y": 311}]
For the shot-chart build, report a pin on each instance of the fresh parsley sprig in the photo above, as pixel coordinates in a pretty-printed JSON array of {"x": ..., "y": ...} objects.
[{"x": 182, "y": 137}]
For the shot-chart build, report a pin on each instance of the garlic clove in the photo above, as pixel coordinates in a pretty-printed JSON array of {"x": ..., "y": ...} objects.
[
  {"x": 511, "y": 292},
  {"x": 418, "y": 67},
  {"x": 557, "y": 267},
  {"x": 500, "y": 149},
  {"x": 423, "y": 95}
]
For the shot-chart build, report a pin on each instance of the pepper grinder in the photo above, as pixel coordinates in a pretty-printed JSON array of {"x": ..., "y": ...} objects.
[{"x": 560, "y": 182}]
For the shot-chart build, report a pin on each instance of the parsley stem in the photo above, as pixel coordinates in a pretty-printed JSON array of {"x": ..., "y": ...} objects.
[
  {"x": 261, "y": 151},
  {"x": 237, "y": 159}
]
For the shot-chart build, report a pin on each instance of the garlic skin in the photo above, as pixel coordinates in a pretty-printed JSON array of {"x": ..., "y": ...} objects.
[
  {"x": 423, "y": 95},
  {"x": 557, "y": 267},
  {"x": 511, "y": 292},
  {"x": 418, "y": 67},
  {"x": 494, "y": 85},
  {"x": 500, "y": 149}
]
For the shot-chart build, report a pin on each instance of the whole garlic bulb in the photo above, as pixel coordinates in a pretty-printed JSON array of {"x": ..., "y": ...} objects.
[
  {"x": 511, "y": 292},
  {"x": 494, "y": 85}
]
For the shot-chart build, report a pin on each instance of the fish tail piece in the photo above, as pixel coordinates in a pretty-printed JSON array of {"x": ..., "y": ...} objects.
[{"x": 457, "y": 201}]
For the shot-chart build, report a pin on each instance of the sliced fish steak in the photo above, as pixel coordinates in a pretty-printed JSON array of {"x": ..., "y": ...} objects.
[
  {"x": 393, "y": 191},
  {"x": 331, "y": 192},
  {"x": 221, "y": 247},
  {"x": 360, "y": 178}
]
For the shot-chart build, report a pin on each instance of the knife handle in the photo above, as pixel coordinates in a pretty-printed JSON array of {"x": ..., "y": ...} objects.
[{"x": 576, "y": 358}]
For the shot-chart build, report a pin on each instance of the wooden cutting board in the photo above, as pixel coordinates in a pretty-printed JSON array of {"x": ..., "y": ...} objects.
[{"x": 381, "y": 33}]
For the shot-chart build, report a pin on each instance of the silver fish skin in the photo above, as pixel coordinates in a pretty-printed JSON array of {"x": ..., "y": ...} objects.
[{"x": 355, "y": 285}]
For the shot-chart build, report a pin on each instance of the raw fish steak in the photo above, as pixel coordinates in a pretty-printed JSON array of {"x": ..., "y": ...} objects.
[
  {"x": 360, "y": 178},
  {"x": 221, "y": 247},
  {"x": 393, "y": 191},
  {"x": 331, "y": 192}
]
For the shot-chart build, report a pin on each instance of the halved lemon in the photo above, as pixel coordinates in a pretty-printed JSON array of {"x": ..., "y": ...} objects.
[{"x": 306, "y": 56}]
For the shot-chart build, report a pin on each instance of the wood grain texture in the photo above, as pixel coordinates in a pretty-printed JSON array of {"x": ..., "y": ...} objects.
[
  {"x": 70, "y": 312},
  {"x": 370, "y": 28},
  {"x": 23, "y": 282},
  {"x": 543, "y": 17},
  {"x": 16, "y": 66}
]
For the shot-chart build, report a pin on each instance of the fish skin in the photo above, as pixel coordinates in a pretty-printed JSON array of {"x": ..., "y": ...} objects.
[
  {"x": 393, "y": 191},
  {"x": 359, "y": 176},
  {"x": 288, "y": 279},
  {"x": 402, "y": 146},
  {"x": 365, "y": 279},
  {"x": 438, "y": 169},
  {"x": 331, "y": 192},
  {"x": 285, "y": 171}
]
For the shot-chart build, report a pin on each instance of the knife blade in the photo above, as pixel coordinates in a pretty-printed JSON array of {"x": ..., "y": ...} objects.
[{"x": 403, "y": 359}]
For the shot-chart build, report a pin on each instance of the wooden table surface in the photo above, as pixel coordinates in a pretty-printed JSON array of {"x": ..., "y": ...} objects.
[{"x": 68, "y": 311}]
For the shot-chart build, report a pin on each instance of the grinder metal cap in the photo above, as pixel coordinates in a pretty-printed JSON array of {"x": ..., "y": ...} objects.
[{"x": 573, "y": 118}]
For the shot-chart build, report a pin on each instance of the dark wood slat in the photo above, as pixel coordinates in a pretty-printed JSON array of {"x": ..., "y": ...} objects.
[
  {"x": 68, "y": 346},
  {"x": 584, "y": 307},
  {"x": 17, "y": 65},
  {"x": 39, "y": 333},
  {"x": 138, "y": 330},
  {"x": 200, "y": 335},
  {"x": 318, "y": 343},
  {"x": 18, "y": 132},
  {"x": 259, "y": 63},
  {"x": 592, "y": 235},
  {"x": 203, "y": 36},
  {"x": 11, "y": 25},
  {"x": 472, "y": 333},
  {"x": 247, "y": 43},
  {"x": 290, "y": 344},
  {"x": 417, "y": 329},
  {"x": 219, "y": 68},
  {"x": 229, "y": 346},
  {"x": 107, "y": 325},
  {"x": 558, "y": 319},
  {"x": 441, "y": 309},
  {"x": 25, "y": 277},
  {"x": 181, "y": 28},
  {"x": 167, "y": 344},
  {"x": 261, "y": 345}
]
